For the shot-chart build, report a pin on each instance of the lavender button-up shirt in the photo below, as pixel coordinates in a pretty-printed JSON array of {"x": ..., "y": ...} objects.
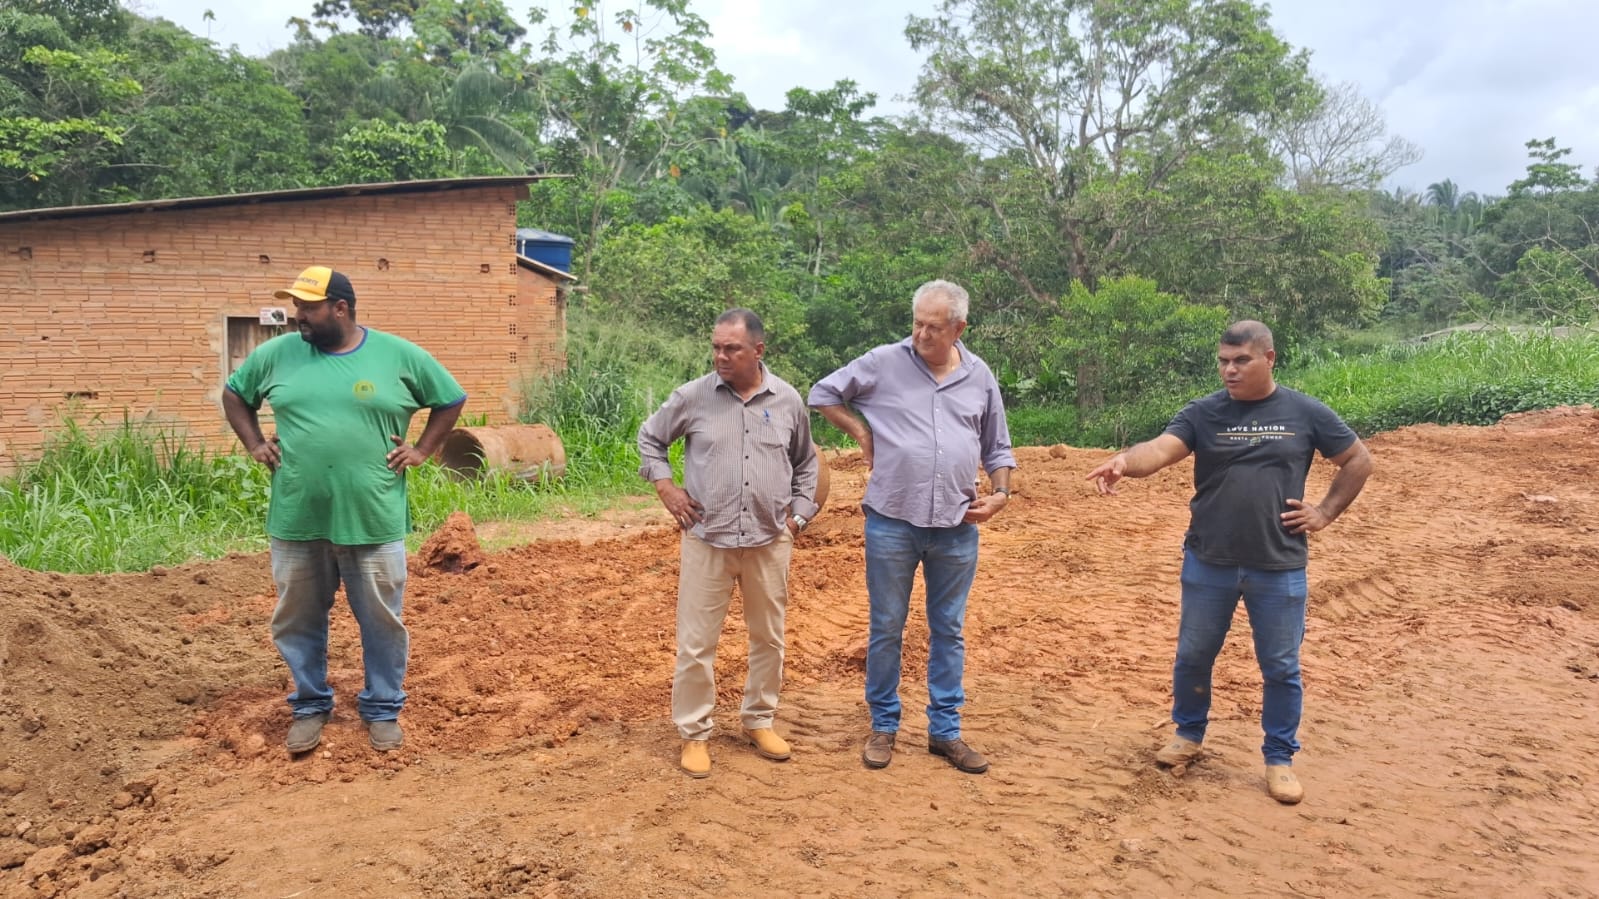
[{"x": 927, "y": 437}]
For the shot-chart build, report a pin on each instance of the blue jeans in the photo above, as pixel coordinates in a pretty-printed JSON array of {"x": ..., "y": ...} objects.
[
  {"x": 1275, "y": 601},
  {"x": 307, "y": 573},
  {"x": 948, "y": 557}
]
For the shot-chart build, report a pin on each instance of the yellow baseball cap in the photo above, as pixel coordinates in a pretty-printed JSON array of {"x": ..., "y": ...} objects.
[{"x": 316, "y": 284}]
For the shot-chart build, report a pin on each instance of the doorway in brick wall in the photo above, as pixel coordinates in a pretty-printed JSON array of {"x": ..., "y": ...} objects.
[{"x": 246, "y": 333}]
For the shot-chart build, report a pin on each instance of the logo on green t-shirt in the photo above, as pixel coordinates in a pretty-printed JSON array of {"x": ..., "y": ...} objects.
[{"x": 365, "y": 390}]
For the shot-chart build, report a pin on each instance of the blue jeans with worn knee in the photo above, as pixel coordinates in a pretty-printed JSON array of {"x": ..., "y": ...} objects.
[
  {"x": 307, "y": 574},
  {"x": 1275, "y": 601},
  {"x": 948, "y": 558}
]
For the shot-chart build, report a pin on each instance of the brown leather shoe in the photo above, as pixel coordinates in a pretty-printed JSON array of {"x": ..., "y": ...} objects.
[
  {"x": 879, "y": 750},
  {"x": 768, "y": 745},
  {"x": 959, "y": 754}
]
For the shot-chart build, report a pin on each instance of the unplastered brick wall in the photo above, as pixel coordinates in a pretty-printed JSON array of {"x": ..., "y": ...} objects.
[
  {"x": 127, "y": 314},
  {"x": 540, "y": 325}
]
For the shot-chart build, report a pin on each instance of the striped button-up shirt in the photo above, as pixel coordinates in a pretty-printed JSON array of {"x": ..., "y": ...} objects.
[
  {"x": 928, "y": 436},
  {"x": 749, "y": 463}
]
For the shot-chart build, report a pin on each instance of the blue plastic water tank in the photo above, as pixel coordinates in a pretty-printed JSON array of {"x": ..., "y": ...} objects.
[{"x": 554, "y": 250}]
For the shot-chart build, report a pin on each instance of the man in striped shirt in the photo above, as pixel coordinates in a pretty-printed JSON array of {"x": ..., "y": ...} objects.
[{"x": 749, "y": 481}]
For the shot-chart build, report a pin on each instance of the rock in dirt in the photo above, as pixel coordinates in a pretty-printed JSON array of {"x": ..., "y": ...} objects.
[
  {"x": 47, "y": 862},
  {"x": 453, "y": 548},
  {"x": 91, "y": 839},
  {"x": 14, "y": 852},
  {"x": 855, "y": 654},
  {"x": 12, "y": 783}
]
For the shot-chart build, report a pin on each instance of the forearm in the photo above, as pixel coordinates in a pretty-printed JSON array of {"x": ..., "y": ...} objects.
[
  {"x": 1144, "y": 459},
  {"x": 440, "y": 423},
  {"x": 842, "y": 418},
  {"x": 245, "y": 421},
  {"x": 999, "y": 478},
  {"x": 1346, "y": 485},
  {"x": 803, "y": 487}
]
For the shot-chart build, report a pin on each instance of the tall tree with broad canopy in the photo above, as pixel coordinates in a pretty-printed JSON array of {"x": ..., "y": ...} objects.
[
  {"x": 620, "y": 93},
  {"x": 1101, "y": 103}
]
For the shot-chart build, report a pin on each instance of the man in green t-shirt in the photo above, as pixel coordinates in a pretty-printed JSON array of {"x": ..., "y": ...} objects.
[{"x": 342, "y": 397}]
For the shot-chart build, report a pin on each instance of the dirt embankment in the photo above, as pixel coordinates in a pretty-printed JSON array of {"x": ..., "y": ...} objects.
[{"x": 1452, "y": 678}]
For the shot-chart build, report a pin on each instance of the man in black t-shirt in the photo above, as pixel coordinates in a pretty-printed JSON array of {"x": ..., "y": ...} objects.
[{"x": 1253, "y": 443}]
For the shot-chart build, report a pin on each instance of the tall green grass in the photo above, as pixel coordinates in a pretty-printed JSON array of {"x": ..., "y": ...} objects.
[
  {"x": 126, "y": 497},
  {"x": 617, "y": 373},
  {"x": 1459, "y": 379}
]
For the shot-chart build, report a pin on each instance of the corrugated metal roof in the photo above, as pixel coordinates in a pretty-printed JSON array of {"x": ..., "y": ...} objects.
[{"x": 271, "y": 196}]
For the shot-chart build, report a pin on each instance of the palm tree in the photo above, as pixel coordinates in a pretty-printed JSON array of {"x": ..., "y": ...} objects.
[
  {"x": 481, "y": 110},
  {"x": 478, "y": 109},
  {"x": 1444, "y": 194}
]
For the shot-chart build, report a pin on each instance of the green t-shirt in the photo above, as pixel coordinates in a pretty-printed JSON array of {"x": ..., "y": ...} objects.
[{"x": 334, "y": 414}]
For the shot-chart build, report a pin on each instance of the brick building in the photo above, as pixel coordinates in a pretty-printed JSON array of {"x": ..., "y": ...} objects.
[{"x": 144, "y": 309}]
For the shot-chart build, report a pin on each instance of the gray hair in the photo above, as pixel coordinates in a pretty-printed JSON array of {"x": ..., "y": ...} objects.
[{"x": 959, "y": 300}]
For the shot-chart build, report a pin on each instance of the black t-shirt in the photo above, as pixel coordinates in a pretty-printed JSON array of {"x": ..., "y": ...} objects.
[{"x": 1249, "y": 460}]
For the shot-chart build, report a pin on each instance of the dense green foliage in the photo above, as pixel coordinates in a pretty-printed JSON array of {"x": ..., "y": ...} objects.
[{"x": 1060, "y": 147}]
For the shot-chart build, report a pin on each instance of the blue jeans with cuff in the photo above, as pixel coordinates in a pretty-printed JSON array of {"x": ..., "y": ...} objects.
[
  {"x": 1275, "y": 601},
  {"x": 307, "y": 574},
  {"x": 948, "y": 558}
]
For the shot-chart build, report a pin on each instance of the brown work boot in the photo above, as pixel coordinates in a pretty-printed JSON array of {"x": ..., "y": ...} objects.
[
  {"x": 768, "y": 745},
  {"x": 306, "y": 732},
  {"x": 696, "y": 760},
  {"x": 1179, "y": 752},
  {"x": 385, "y": 736},
  {"x": 879, "y": 750},
  {"x": 959, "y": 754},
  {"x": 1283, "y": 785}
]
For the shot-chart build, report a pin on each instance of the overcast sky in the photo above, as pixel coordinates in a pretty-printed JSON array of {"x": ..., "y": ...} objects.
[{"x": 1469, "y": 81}]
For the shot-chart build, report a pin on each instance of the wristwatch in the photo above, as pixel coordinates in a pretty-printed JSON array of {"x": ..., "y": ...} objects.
[
  {"x": 1004, "y": 490},
  {"x": 800, "y": 521}
]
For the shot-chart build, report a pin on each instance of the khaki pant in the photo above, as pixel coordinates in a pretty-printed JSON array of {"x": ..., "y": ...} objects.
[{"x": 704, "y": 591}]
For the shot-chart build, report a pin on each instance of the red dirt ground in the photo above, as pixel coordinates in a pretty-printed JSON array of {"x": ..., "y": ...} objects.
[{"x": 1452, "y": 677}]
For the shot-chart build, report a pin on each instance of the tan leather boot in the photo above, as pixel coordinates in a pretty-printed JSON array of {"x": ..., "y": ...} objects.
[
  {"x": 1178, "y": 752},
  {"x": 768, "y": 744},
  {"x": 696, "y": 760},
  {"x": 1283, "y": 785}
]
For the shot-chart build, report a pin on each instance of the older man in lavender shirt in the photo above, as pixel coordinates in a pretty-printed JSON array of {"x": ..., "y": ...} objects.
[{"x": 935, "y": 414}]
